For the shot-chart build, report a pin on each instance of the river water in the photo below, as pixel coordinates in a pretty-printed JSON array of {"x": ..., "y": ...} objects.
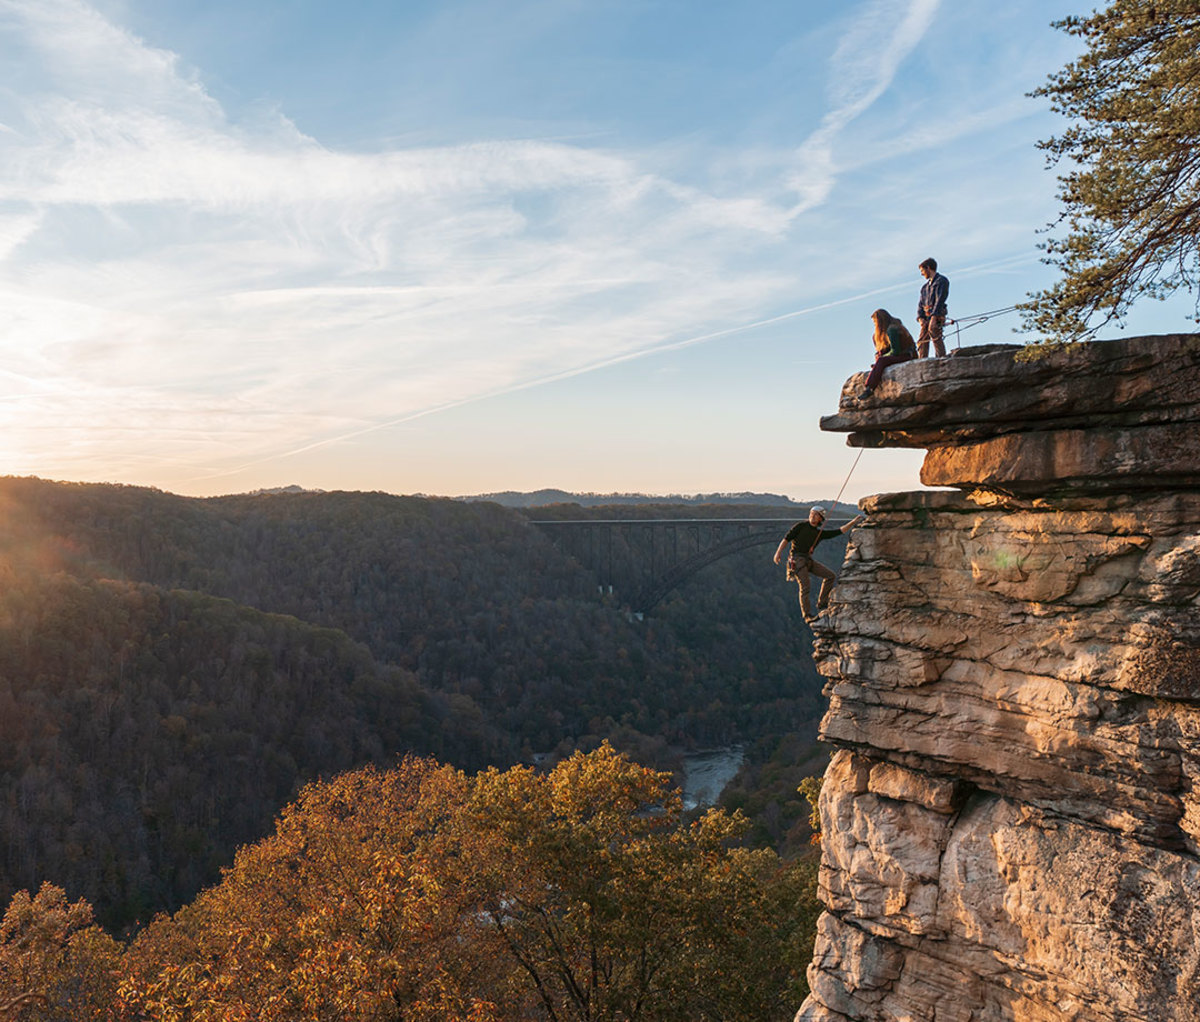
[{"x": 705, "y": 775}]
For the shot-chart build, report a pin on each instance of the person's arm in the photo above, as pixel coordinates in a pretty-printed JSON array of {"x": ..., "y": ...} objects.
[
  {"x": 780, "y": 549},
  {"x": 834, "y": 533},
  {"x": 941, "y": 292}
]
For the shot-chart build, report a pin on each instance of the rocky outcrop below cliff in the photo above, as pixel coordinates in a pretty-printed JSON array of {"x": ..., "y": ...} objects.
[{"x": 1011, "y": 821}]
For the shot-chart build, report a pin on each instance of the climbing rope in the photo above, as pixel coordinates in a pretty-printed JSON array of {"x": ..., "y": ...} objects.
[
  {"x": 848, "y": 475},
  {"x": 981, "y": 317},
  {"x": 845, "y": 483}
]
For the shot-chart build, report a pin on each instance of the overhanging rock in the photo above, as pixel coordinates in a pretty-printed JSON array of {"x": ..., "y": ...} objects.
[{"x": 1124, "y": 411}]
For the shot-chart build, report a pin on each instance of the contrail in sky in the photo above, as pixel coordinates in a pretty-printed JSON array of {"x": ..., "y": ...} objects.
[{"x": 631, "y": 356}]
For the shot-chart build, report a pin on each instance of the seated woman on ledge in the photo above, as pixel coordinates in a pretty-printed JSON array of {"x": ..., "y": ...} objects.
[{"x": 893, "y": 344}]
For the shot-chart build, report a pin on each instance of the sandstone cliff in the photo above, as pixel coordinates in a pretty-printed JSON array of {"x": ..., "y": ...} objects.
[{"x": 1011, "y": 821}]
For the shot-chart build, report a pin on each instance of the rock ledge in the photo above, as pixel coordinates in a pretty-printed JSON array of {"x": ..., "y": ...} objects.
[{"x": 1117, "y": 415}]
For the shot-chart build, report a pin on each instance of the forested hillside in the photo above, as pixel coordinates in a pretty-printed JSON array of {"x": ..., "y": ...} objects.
[{"x": 172, "y": 669}]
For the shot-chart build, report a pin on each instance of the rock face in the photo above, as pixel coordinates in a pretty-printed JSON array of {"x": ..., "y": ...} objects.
[{"x": 1011, "y": 821}]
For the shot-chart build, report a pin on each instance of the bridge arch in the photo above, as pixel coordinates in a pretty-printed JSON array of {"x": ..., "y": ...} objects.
[
  {"x": 652, "y": 595},
  {"x": 707, "y": 539}
]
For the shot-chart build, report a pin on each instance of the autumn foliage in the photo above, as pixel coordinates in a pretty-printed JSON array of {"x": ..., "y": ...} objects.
[
  {"x": 421, "y": 893},
  {"x": 55, "y": 963}
]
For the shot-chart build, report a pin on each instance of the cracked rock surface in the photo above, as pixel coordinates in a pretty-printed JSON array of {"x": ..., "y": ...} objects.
[
  {"x": 1109, "y": 415},
  {"x": 1011, "y": 821}
]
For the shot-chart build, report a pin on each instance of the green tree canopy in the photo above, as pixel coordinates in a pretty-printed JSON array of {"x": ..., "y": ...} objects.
[{"x": 1132, "y": 196}]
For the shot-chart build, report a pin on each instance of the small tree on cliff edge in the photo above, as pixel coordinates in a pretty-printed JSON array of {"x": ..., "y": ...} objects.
[{"x": 1132, "y": 203}]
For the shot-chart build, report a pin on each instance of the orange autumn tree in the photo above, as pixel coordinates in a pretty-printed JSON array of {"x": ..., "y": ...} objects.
[
  {"x": 421, "y": 894},
  {"x": 344, "y": 913},
  {"x": 55, "y": 963}
]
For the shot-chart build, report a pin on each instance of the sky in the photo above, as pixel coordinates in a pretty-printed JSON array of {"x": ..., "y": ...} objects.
[{"x": 444, "y": 247}]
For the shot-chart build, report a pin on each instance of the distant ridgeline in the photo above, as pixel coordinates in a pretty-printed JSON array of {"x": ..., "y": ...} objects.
[
  {"x": 542, "y": 498},
  {"x": 172, "y": 669}
]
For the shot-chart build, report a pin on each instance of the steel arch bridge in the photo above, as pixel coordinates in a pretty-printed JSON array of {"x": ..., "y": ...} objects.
[{"x": 658, "y": 553}]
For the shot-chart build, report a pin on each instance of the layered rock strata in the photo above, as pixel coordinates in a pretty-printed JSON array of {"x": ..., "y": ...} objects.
[
  {"x": 1112, "y": 415},
  {"x": 1011, "y": 821}
]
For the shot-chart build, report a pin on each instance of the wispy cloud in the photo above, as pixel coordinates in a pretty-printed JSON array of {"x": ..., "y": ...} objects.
[
  {"x": 879, "y": 36},
  {"x": 188, "y": 293},
  {"x": 171, "y": 275}
]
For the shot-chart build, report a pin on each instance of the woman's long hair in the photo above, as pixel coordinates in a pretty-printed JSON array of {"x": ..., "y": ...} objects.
[{"x": 883, "y": 319}]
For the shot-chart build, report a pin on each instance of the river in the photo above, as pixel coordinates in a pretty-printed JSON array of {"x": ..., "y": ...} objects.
[{"x": 705, "y": 775}]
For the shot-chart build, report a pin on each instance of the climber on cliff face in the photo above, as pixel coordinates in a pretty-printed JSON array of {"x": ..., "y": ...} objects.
[{"x": 804, "y": 537}]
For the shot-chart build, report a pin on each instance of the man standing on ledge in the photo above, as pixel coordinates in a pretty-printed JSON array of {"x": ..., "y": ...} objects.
[
  {"x": 804, "y": 537},
  {"x": 931, "y": 309}
]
